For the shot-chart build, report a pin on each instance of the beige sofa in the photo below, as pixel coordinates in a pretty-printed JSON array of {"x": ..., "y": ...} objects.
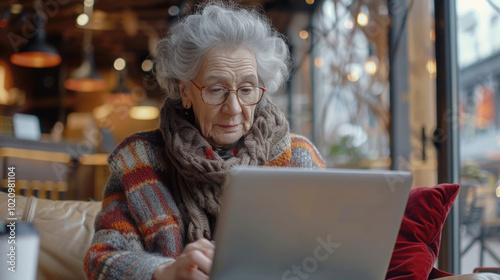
[{"x": 65, "y": 230}]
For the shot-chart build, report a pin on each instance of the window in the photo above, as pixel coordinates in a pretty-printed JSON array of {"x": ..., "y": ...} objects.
[{"x": 349, "y": 100}]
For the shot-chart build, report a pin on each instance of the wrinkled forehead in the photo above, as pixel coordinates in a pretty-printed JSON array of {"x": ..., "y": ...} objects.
[{"x": 228, "y": 63}]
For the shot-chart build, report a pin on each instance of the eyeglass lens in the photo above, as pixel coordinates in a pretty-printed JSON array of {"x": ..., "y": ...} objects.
[{"x": 217, "y": 94}]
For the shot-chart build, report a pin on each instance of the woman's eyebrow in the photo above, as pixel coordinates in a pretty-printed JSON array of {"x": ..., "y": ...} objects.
[
  {"x": 216, "y": 78},
  {"x": 250, "y": 78}
]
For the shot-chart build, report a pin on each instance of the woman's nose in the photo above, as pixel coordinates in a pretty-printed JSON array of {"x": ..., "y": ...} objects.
[{"x": 232, "y": 105}]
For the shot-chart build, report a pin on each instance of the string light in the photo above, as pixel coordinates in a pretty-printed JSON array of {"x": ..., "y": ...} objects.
[
  {"x": 318, "y": 62},
  {"x": 310, "y": 2},
  {"x": 362, "y": 19},
  {"x": 353, "y": 76},
  {"x": 348, "y": 24},
  {"x": 82, "y": 19},
  {"x": 304, "y": 34},
  {"x": 371, "y": 67},
  {"x": 173, "y": 11},
  {"x": 119, "y": 64},
  {"x": 431, "y": 68},
  {"x": 355, "y": 71},
  {"x": 147, "y": 65}
]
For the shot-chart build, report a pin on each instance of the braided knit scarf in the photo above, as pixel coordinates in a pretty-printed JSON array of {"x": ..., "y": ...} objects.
[{"x": 197, "y": 180}]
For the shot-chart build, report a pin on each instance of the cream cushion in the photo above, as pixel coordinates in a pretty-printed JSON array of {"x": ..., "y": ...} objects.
[{"x": 65, "y": 229}]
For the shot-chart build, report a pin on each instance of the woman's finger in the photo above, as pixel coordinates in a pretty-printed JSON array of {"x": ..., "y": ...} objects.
[
  {"x": 199, "y": 259},
  {"x": 198, "y": 275},
  {"x": 203, "y": 245}
]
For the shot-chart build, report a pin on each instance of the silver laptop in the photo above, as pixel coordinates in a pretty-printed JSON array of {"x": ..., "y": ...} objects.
[{"x": 296, "y": 224}]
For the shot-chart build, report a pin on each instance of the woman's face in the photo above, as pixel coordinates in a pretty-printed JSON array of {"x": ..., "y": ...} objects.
[{"x": 222, "y": 125}]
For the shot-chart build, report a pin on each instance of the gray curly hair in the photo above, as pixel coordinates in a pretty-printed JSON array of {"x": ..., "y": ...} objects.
[{"x": 217, "y": 24}]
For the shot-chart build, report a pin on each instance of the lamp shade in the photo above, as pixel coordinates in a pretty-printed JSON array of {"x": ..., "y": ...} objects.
[
  {"x": 145, "y": 110},
  {"x": 37, "y": 53},
  {"x": 85, "y": 78}
]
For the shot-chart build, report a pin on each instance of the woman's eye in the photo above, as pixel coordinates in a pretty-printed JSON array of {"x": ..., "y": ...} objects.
[
  {"x": 246, "y": 90},
  {"x": 216, "y": 90}
]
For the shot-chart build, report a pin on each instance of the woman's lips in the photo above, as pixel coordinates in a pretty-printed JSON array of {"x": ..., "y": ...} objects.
[{"x": 229, "y": 127}]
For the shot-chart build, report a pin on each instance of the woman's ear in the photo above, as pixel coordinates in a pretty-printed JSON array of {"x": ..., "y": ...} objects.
[{"x": 185, "y": 96}]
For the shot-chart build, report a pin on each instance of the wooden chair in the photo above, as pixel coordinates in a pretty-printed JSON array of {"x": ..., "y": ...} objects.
[
  {"x": 471, "y": 218},
  {"x": 55, "y": 190}
]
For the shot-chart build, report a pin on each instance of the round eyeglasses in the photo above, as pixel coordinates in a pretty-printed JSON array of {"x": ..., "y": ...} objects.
[{"x": 217, "y": 94}]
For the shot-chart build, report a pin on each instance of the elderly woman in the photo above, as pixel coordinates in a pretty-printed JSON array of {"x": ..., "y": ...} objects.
[{"x": 218, "y": 68}]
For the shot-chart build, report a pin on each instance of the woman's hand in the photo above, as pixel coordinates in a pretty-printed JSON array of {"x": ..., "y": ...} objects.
[{"x": 193, "y": 264}]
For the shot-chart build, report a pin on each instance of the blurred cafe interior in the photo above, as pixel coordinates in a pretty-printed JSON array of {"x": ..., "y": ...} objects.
[{"x": 376, "y": 84}]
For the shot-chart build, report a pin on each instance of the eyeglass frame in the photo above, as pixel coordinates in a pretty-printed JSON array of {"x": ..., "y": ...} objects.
[{"x": 229, "y": 92}]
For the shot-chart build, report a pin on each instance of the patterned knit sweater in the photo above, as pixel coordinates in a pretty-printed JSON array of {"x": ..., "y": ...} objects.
[{"x": 139, "y": 226}]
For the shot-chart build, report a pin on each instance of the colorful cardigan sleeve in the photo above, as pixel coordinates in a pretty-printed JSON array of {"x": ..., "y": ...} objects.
[
  {"x": 302, "y": 153},
  {"x": 125, "y": 246},
  {"x": 305, "y": 154}
]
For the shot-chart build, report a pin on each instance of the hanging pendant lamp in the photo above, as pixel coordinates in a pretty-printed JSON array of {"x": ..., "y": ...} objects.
[
  {"x": 145, "y": 110},
  {"x": 85, "y": 78},
  {"x": 37, "y": 53}
]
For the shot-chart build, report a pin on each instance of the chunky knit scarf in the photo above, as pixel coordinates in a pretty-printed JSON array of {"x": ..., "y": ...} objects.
[{"x": 199, "y": 173}]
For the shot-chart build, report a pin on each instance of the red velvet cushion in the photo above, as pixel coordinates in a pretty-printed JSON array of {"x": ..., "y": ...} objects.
[{"x": 417, "y": 245}]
